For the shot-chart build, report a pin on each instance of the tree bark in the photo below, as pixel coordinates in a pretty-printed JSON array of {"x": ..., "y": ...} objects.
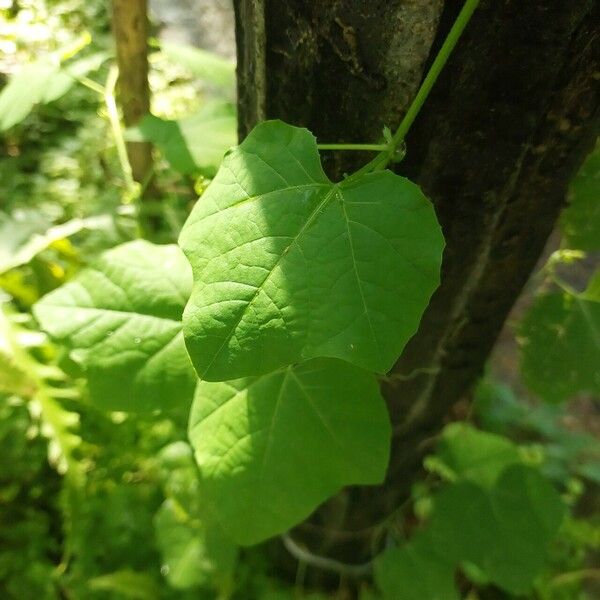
[
  {"x": 507, "y": 125},
  {"x": 130, "y": 25}
]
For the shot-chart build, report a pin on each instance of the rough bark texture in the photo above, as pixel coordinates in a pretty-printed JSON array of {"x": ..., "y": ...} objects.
[
  {"x": 503, "y": 132},
  {"x": 130, "y": 24}
]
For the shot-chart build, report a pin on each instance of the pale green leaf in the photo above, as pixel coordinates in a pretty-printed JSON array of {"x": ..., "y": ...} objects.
[
  {"x": 16, "y": 375},
  {"x": 580, "y": 221},
  {"x": 121, "y": 320},
  {"x": 194, "y": 553},
  {"x": 194, "y": 143},
  {"x": 289, "y": 266},
  {"x": 560, "y": 346},
  {"x": 21, "y": 374},
  {"x": 23, "y": 91},
  {"x": 272, "y": 448},
  {"x": 41, "y": 82},
  {"x": 127, "y": 584},
  {"x": 204, "y": 65},
  {"x": 24, "y": 234}
]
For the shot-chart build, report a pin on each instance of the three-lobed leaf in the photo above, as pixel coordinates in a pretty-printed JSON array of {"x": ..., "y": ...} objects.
[
  {"x": 289, "y": 266},
  {"x": 121, "y": 319},
  {"x": 272, "y": 448}
]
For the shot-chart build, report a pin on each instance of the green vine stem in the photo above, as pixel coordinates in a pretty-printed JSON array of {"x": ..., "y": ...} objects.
[
  {"x": 117, "y": 130},
  {"x": 386, "y": 155},
  {"x": 436, "y": 68},
  {"x": 364, "y": 147}
]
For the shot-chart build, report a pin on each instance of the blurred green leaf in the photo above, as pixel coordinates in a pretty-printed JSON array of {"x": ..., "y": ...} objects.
[
  {"x": 127, "y": 584},
  {"x": 414, "y": 572},
  {"x": 195, "y": 143},
  {"x": 202, "y": 64},
  {"x": 26, "y": 233},
  {"x": 474, "y": 455},
  {"x": 560, "y": 346},
  {"x": 41, "y": 82},
  {"x": 195, "y": 553},
  {"x": 503, "y": 531}
]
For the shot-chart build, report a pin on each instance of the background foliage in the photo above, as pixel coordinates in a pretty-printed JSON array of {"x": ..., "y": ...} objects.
[{"x": 97, "y": 503}]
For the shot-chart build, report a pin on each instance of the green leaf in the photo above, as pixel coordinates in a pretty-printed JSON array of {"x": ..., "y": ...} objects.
[
  {"x": 504, "y": 531},
  {"x": 289, "y": 266},
  {"x": 414, "y": 572},
  {"x": 475, "y": 455},
  {"x": 204, "y": 65},
  {"x": 24, "y": 234},
  {"x": 560, "y": 346},
  {"x": 194, "y": 553},
  {"x": 592, "y": 292},
  {"x": 527, "y": 513},
  {"x": 272, "y": 448},
  {"x": 16, "y": 376},
  {"x": 581, "y": 219},
  {"x": 127, "y": 584},
  {"x": 195, "y": 143},
  {"x": 121, "y": 320},
  {"x": 41, "y": 82}
]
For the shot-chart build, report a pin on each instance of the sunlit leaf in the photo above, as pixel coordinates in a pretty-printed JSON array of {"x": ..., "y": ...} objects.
[
  {"x": 24, "y": 234},
  {"x": 127, "y": 584},
  {"x": 289, "y": 266},
  {"x": 41, "y": 82},
  {"x": 204, "y": 65},
  {"x": 121, "y": 320},
  {"x": 195, "y": 143}
]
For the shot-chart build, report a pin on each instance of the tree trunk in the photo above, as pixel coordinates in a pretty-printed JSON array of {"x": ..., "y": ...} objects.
[
  {"x": 494, "y": 148},
  {"x": 130, "y": 25}
]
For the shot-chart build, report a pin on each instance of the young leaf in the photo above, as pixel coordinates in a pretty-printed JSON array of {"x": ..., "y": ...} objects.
[
  {"x": 289, "y": 266},
  {"x": 475, "y": 455},
  {"x": 560, "y": 345},
  {"x": 272, "y": 448},
  {"x": 194, "y": 143},
  {"x": 121, "y": 319}
]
